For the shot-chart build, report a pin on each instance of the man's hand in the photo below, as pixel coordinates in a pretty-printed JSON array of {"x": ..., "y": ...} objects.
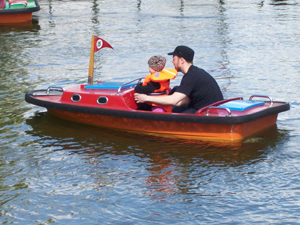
[{"x": 140, "y": 98}]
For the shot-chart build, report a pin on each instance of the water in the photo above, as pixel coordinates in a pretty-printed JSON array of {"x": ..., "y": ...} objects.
[{"x": 54, "y": 171}]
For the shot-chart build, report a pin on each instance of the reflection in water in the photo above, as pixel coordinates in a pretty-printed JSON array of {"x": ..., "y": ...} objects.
[
  {"x": 14, "y": 60},
  {"x": 31, "y": 25},
  {"x": 95, "y": 13},
  {"x": 51, "y": 20},
  {"x": 28, "y": 26},
  {"x": 181, "y": 7},
  {"x": 261, "y": 4},
  {"x": 169, "y": 163},
  {"x": 283, "y": 2},
  {"x": 224, "y": 71},
  {"x": 139, "y": 2}
]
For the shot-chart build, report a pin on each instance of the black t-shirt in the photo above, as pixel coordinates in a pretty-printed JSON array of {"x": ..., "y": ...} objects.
[{"x": 200, "y": 87}]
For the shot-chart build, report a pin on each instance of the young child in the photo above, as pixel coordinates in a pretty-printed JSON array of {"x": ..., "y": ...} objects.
[{"x": 156, "y": 83}]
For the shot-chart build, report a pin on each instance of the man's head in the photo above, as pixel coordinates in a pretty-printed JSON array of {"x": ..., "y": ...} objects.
[
  {"x": 157, "y": 63},
  {"x": 183, "y": 52}
]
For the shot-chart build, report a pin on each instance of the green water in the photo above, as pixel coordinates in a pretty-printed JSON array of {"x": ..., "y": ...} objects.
[{"x": 54, "y": 171}]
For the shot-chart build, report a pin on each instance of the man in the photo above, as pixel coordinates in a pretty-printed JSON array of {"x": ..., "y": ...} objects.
[{"x": 196, "y": 90}]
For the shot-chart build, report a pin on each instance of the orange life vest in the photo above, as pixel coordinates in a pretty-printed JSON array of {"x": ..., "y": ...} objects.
[{"x": 163, "y": 78}]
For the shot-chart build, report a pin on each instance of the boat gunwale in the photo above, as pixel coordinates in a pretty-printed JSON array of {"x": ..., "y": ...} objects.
[{"x": 167, "y": 117}]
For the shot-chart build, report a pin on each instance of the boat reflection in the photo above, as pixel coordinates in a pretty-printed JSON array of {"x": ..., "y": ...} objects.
[
  {"x": 282, "y": 2},
  {"x": 167, "y": 162},
  {"x": 22, "y": 26}
]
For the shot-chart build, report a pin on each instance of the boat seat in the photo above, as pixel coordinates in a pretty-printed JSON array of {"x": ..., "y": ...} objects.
[
  {"x": 17, "y": 3},
  {"x": 241, "y": 105}
]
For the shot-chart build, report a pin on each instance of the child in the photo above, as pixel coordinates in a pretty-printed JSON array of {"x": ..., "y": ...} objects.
[{"x": 157, "y": 82}]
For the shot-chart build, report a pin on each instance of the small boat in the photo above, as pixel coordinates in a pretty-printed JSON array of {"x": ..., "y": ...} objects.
[
  {"x": 112, "y": 105},
  {"x": 17, "y": 11}
]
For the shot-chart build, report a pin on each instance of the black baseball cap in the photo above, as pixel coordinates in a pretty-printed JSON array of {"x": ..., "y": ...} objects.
[{"x": 184, "y": 52}]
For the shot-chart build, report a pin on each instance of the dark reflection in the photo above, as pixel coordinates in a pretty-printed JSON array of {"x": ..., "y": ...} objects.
[
  {"x": 169, "y": 161},
  {"x": 139, "y": 3},
  {"x": 95, "y": 12},
  {"x": 282, "y": 2},
  {"x": 31, "y": 26},
  {"x": 261, "y": 4},
  {"x": 15, "y": 40},
  {"x": 224, "y": 71},
  {"x": 181, "y": 9},
  {"x": 51, "y": 20},
  {"x": 12, "y": 43}
]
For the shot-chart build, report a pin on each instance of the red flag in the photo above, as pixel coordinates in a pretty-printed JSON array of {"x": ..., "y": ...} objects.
[{"x": 100, "y": 43}]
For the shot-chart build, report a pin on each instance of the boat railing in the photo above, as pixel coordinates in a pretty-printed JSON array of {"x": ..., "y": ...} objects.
[
  {"x": 54, "y": 88},
  {"x": 219, "y": 108},
  {"x": 217, "y": 104},
  {"x": 261, "y": 96},
  {"x": 126, "y": 84}
]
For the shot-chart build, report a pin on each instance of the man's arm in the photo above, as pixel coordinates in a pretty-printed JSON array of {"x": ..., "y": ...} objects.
[
  {"x": 184, "y": 102},
  {"x": 174, "y": 99}
]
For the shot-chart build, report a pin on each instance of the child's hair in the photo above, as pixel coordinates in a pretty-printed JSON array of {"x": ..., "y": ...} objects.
[{"x": 157, "y": 63}]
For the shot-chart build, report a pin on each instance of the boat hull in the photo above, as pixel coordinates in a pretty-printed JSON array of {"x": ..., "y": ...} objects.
[
  {"x": 15, "y": 18},
  {"x": 197, "y": 131}
]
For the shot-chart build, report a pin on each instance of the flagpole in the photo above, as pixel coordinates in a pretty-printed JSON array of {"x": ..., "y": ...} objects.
[
  {"x": 95, "y": 46},
  {"x": 91, "y": 67}
]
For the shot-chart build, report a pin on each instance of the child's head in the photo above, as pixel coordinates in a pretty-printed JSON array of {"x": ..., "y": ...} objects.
[{"x": 157, "y": 63}]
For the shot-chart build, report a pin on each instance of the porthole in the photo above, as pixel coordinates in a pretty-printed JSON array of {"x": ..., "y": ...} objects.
[
  {"x": 76, "y": 98},
  {"x": 102, "y": 100}
]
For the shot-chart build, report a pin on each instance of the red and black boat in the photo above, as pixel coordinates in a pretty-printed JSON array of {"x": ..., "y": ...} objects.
[{"x": 112, "y": 104}]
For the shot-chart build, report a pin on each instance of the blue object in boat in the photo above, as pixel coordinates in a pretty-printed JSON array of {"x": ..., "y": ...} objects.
[
  {"x": 109, "y": 85},
  {"x": 241, "y": 105}
]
